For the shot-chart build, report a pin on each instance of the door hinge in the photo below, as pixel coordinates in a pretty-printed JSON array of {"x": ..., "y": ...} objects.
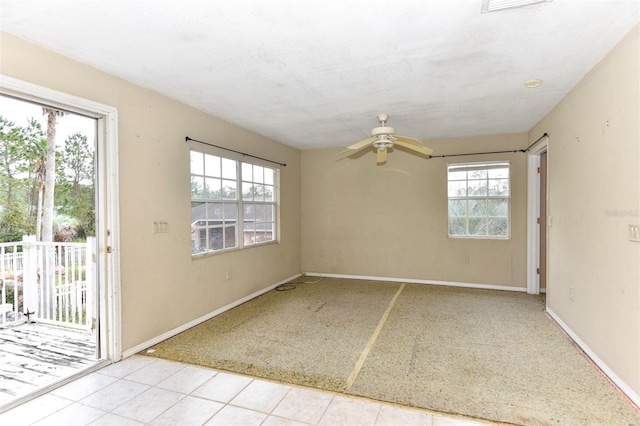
[
  {"x": 538, "y": 169},
  {"x": 538, "y": 220},
  {"x": 538, "y": 271}
]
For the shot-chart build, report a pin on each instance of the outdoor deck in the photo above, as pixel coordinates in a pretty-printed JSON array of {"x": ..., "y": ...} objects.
[{"x": 36, "y": 355}]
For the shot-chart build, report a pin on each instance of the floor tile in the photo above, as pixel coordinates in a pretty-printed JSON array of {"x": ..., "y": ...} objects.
[
  {"x": 126, "y": 366},
  {"x": 188, "y": 411},
  {"x": 187, "y": 380},
  {"x": 392, "y": 416},
  {"x": 84, "y": 386},
  {"x": 280, "y": 421},
  {"x": 222, "y": 387},
  {"x": 148, "y": 405},
  {"x": 34, "y": 410},
  {"x": 152, "y": 374},
  {"x": 261, "y": 396},
  {"x": 231, "y": 415},
  {"x": 73, "y": 415},
  {"x": 350, "y": 411},
  {"x": 453, "y": 421},
  {"x": 304, "y": 405},
  {"x": 114, "y": 395},
  {"x": 114, "y": 420}
]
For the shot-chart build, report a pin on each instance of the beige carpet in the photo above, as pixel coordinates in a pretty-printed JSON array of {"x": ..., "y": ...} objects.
[{"x": 485, "y": 354}]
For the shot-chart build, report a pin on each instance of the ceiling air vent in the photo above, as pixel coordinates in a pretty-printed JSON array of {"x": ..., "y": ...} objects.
[{"x": 495, "y": 5}]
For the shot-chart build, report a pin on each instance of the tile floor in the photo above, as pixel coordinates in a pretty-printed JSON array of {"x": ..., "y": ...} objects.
[{"x": 149, "y": 391}]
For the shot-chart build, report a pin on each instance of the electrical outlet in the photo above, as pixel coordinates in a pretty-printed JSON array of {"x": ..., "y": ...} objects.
[
  {"x": 465, "y": 259},
  {"x": 227, "y": 276},
  {"x": 572, "y": 293},
  {"x": 160, "y": 227},
  {"x": 634, "y": 233}
]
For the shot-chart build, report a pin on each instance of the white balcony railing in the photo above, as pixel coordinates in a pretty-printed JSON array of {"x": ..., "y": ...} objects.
[{"x": 47, "y": 282}]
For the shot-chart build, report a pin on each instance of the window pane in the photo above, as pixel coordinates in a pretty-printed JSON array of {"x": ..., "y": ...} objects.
[
  {"x": 198, "y": 214},
  {"x": 258, "y": 192},
  {"x": 263, "y": 236},
  {"x": 229, "y": 190},
  {"x": 258, "y": 174},
  {"x": 457, "y": 208},
  {"x": 197, "y": 163},
  {"x": 498, "y": 207},
  {"x": 453, "y": 175},
  {"x": 269, "y": 193},
  {"x": 247, "y": 172},
  {"x": 247, "y": 191},
  {"x": 212, "y": 188},
  {"x": 457, "y": 226},
  {"x": 249, "y": 213},
  {"x": 216, "y": 241},
  {"x": 477, "y": 208},
  {"x": 198, "y": 240},
  {"x": 228, "y": 169},
  {"x": 214, "y": 213},
  {"x": 457, "y": 189},
  {"x": 477, "y": 226},
  {"x": 230, "y": 237},
  {"x": 502, "y": 172},
  {"x": 197, "y": 187},
  {"x": 212, "y": 165},
  {"x": 497, "y": 226},
  {"x": 268, "y": 176},
  {"x": 271, "y": 214},
  {"x": 260, "y": 212},
  {"x": 477, "y": 174},
  {"x": 477, "y": 188},
  {"x": 230, "y": 213},
  {"x": 498, "y": 186}
]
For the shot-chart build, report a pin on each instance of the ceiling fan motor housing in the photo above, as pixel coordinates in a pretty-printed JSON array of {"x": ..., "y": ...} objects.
[{"x": 384, "y": 130}]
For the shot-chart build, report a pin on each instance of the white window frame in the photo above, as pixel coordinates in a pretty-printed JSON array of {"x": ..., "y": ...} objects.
[
  {"x": 487, "y": 197},
  {"x": 239, "y": 201}
]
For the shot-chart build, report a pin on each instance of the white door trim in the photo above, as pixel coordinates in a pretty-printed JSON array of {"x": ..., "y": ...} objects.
[
  {"x": 108, "y": 215},
  {"x": 533, "y": 209}
]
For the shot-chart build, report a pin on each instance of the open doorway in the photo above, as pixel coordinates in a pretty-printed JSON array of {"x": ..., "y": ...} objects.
[{"x": 79, "y": 254}]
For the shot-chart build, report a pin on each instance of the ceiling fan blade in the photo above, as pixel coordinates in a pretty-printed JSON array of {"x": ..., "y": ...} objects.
[
  {"x": 356, "y": 147},
  {"x": 359, "y": 145},
  {"x": 411, "y": 141},
  {"x": 421, "y": 148},
  {"x": 381, "y": 156}
]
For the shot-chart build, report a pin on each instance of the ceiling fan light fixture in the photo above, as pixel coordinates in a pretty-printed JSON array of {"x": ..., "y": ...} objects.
[{"x": 495, "y": 5}]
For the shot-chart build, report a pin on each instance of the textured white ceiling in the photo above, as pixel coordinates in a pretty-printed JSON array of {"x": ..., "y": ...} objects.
[{"x": 316, "y": 74}]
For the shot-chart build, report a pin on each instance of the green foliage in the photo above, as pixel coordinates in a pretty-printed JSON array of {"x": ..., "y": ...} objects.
[{"x": 23, "y": 157}]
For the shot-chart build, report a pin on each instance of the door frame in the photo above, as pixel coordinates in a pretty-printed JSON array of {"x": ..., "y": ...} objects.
[
  {"x": 533, "y": 211},
  {"x": 107, "y": 217}
]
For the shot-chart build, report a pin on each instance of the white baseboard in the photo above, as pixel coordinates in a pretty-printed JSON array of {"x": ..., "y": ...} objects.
[
  {"x": 634, "y": 397},
  {"x": 417, "y": 281},
  {"x": 142, "y": 346}
]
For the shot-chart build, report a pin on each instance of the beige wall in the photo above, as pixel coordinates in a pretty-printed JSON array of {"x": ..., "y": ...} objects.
[
  {"x": 162, "y": 287},
  {"x": 359, "y": 218},
  {"x": 594, "y": 194}
]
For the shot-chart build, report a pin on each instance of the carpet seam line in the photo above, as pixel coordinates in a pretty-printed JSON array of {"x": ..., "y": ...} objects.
[{"x": 363, "y": 356}]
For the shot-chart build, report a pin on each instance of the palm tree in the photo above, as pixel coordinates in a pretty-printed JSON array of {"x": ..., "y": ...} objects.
[
  {"x": 50, "y": 173},
  {"x": 48, "y": 276}
]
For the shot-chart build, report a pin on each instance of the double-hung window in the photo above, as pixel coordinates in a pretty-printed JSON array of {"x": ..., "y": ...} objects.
[
  {"x": 233, "y": 203},
  {"x": 478, "y": 200}
]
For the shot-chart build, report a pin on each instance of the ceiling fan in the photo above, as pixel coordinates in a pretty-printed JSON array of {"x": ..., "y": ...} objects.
[{"x": 384, "y": 138}]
